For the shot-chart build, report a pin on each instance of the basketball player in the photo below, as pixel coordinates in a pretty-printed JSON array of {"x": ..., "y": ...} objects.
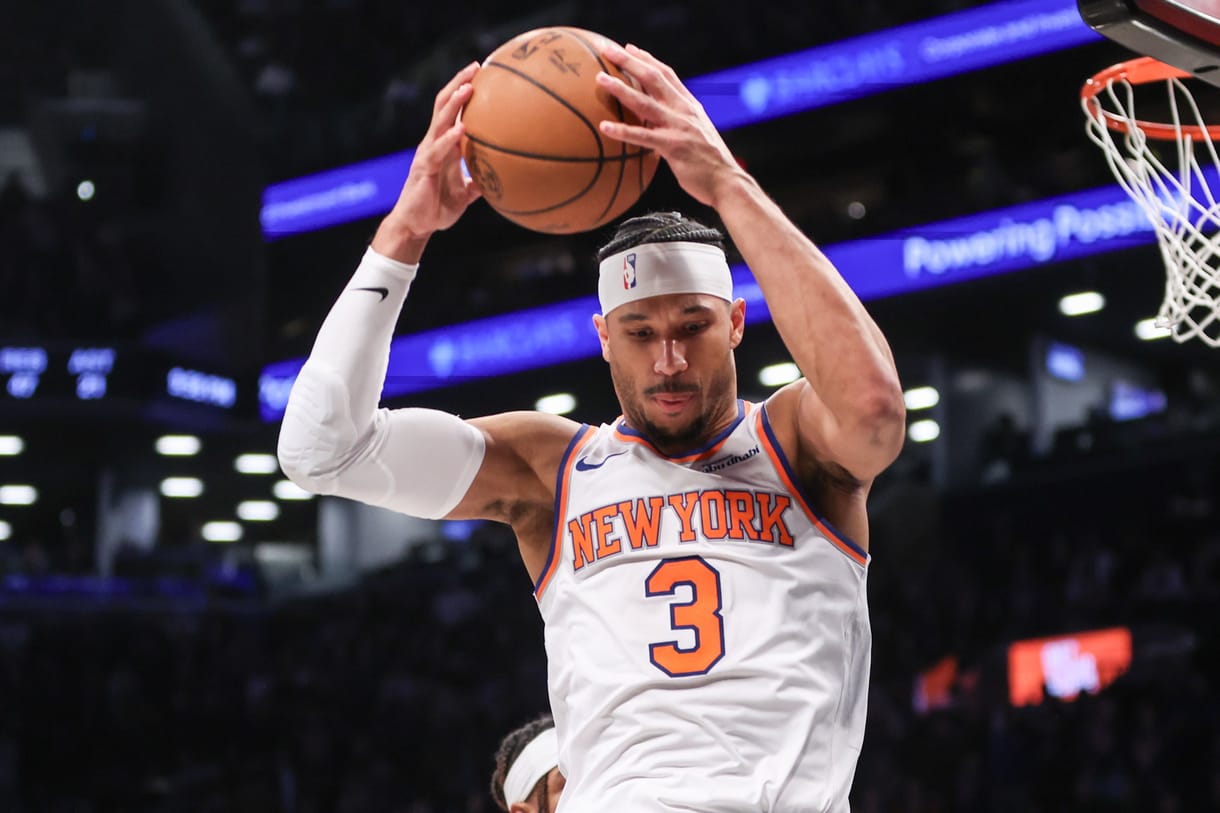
[
  {"x": 700, "y": 562},
  {"x": 526, "y": 778}
]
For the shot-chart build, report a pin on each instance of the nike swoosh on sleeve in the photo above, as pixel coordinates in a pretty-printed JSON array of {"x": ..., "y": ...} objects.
[{"x": 383, "y": 291}]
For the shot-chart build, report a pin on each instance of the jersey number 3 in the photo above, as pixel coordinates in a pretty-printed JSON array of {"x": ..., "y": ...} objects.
[{"x": 701, "y": 615}]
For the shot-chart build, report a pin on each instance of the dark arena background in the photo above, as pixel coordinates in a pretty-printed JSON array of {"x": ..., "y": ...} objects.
[{"x": 186, "y": 186}]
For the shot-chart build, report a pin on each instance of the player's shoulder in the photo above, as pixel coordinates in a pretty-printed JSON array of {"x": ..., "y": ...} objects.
[
  {"x": 530, "y": 435},
  {"x": 814, "y": 463},
  {"x": 781, "y": 406},
  {"x": 528, "y": 426},
  {"x": 783, "y": 419}
]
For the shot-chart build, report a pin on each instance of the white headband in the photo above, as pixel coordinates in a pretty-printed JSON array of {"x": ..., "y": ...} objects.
[
  {"x": 653, "y": 269},
  {"x": 534, "y": 762}
]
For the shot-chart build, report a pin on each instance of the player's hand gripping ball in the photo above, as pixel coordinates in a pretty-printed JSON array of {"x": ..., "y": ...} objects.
[{"x": 532, "y": 143}]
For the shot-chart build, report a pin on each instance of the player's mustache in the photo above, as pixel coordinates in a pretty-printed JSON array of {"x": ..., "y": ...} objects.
[{"x": 670, "y": 387}]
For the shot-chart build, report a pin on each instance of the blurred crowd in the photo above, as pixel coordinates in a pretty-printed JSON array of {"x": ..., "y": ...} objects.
[
  {"x": 66, "y": 273},
  {"x": 392, "y": 695},
  {"x": 389, "y": 697}
]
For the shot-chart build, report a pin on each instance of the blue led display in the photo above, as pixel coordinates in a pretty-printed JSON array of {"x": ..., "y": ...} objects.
[
  {"x": 202, "y": 388},
  {"x": 906, "y": 55},
  {"x": 944, "y": 253},
  {"x": 849, "y": 69},
  {"x": 335, "y": 196}
]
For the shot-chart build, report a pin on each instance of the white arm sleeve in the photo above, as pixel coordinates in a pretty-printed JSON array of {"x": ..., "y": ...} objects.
[{"x": 334, "y": 439}]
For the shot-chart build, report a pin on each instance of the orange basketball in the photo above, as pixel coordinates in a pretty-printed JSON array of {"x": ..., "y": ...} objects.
[{"x": 532, "y": 144}]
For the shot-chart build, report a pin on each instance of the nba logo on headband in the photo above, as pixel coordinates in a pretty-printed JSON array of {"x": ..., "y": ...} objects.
[
  {"x": 675, "y": 267},
  {"x": 628, "y": 272}
]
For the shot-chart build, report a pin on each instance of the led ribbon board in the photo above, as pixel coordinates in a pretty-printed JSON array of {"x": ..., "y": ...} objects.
[
  {"x": 951, "y": 251},
  {"x": 906, "y": 55},
  {"x": 850, "y": 69},
  {"x": 36, "y": 372},
  {"x": 57, "y": 374}
]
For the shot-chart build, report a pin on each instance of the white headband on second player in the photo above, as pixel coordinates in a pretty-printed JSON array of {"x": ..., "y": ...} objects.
[
  {"x": 534, "y": 762},
  {"x": 653, "y": 269}
]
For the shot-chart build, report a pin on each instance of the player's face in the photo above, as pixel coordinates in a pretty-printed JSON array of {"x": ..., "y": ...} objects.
[{"x": 671, "y": 359}]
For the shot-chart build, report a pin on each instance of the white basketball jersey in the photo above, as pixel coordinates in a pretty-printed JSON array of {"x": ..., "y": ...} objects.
[{"x": 707, "y": 632}]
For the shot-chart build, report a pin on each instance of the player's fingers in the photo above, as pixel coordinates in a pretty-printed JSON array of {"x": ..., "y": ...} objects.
[
  {"x": 646, "y": 71},
  {"x": 447, "y": 110},
  {"x": 667, "y": 73},
  {"x": 460, "y": 184},
  {"x": 643, "y": 54},
  {"x": 449, "y": 142},
  {"x": 647, "y": 107},
  {"x": 456, "y": 101},
  {"x": 662, "y": 78},
  {"x": 439, "y": 150},
  {"x": 635, "y": 134},
  {"x": 445, "y": 94}
]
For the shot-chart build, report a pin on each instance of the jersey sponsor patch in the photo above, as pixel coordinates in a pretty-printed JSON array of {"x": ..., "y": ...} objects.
[{"x": 731, "y": 460}]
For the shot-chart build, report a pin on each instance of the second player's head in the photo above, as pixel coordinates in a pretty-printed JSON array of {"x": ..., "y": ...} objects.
[{"x": 526, "y": 778}]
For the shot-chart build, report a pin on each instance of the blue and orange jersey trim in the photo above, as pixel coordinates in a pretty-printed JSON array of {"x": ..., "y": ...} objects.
[
  {"x": 563, "y": 479},
  {"x": 788, "y": 476},
  {"x": 625, "y": 433}
]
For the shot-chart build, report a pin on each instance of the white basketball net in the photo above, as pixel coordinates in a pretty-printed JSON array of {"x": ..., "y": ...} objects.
[{"x": 1179, "y": 201}]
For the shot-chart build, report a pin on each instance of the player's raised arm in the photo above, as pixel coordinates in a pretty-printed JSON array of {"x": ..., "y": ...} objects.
[
  {"x": 435, "y": 193},
  {"x": 848, "y": 410},
  {"x": 427, "y": 463}
]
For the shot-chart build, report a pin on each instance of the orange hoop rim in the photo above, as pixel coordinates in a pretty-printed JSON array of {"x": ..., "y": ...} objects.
[{"x": 1142, "y": 71}]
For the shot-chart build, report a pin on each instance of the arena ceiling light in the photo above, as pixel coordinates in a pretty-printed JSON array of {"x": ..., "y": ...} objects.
[
  {"x": 288, "y": 490},
  {"x": 561, "y": 403},
  {"x": 1147, "y": 330},
  {"x": 11, "y": 445},
  {"x": 777, "y": 375},
  {"x": 6, "y": 530},
  {"x": 1081, "y": 303},
  {"x": 221, "y": 531},
  {"x": 178, "y": 445},
  {"x": 181, "y": 487},
  {"x": 921, "y": 398},
  {"x": 256, "y": 464},
  {"x": 18, "y": 495},
  {"x": 923, "y": 431},
  {"x": 258, "y": 511}
]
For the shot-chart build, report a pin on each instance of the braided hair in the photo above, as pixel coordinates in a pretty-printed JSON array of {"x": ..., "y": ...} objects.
[
  {"x": 510, "y": 748},
  {"x": 660, "y": 227}
]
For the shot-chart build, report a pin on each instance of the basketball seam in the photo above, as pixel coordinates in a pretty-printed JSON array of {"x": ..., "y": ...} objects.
[
  {"x": 600, "y": 149},
  {"x": 596, "y": 136},
  {"x": 571, "y": 159},
  {"x": 622, "y": 167}
]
